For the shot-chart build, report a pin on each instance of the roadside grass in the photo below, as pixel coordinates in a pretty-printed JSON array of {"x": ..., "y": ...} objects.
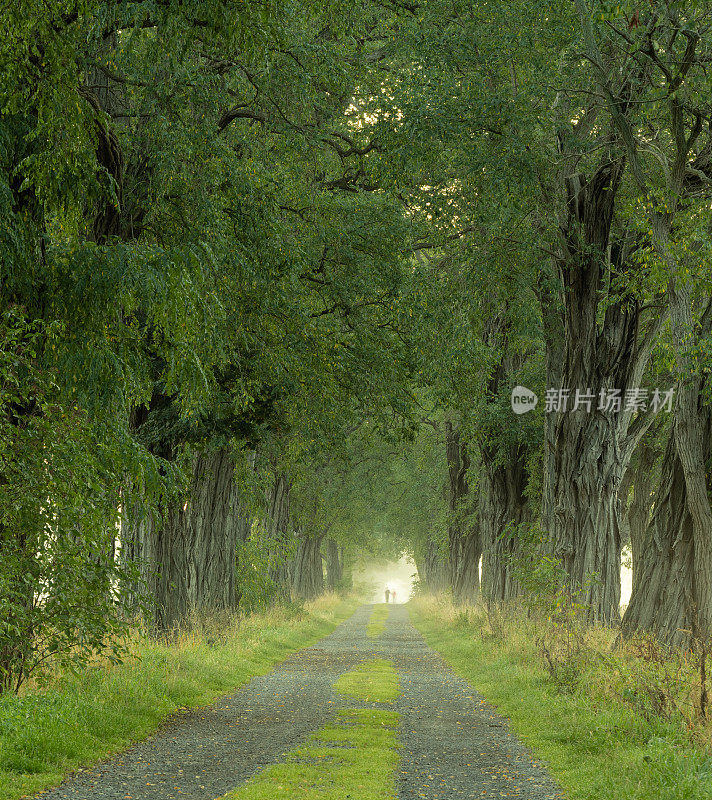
[
  {"x": 377, "y": 621},
  {"x": 598, "y": 731},
  {"x": 355, "y": 756},
  {"x": 83, "y": 718},
  {"x": 375, "y": 681}
]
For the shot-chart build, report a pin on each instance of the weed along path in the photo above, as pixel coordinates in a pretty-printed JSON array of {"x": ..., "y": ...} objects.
[{"x": 368, "y": 713}]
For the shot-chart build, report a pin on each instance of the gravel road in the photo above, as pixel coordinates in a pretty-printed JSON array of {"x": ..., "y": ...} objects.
[{"x": 453, "y": 744}]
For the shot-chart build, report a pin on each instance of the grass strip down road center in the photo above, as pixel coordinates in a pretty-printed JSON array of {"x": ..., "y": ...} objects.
[
  {"x": 377, "y": 623},
  {"x": 356, "y": 755},
  {"x": 373, "y": 682}
]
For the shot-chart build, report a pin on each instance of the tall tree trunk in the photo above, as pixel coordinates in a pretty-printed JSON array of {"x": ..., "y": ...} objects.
[
  {"x": 624, "y": 503},
  {"x": 672, "y": 572},
  {"x": 641, "y": 504},
  {"x": 463, "y": 534},
  {"x": 196, "y": 545},
  {"x": 587, "y": 524},
  {"x": 279, "y": 536},
  {"x": 334, "y": 565},
  {"x": 663, "y": 601},
  {"x": 592, "y": 448},
  {"x": 503, "y": 508},
  {"x": 673, "y": 595},
  {"x": 139, "y": 527},
  {"x": 347, "y": 564},
  {"x": 554, "y": 337},
  {"x": 503, "y": 475},
  {"x": 465, "y": 567},
  {"x": 308, "y": 574},
  {"x": 692, "y": 438},
  {"x": 433, "y": 567},
  {"x": 137, "y": 534},
  {"x": 244, "y": 529}
]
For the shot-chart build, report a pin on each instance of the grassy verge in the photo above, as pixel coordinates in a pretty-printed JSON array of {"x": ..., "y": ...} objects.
[
  {"x": 377, "y": 621},
  {"x": 599, "y": 735},
  {"x": 354, "y": 756},
  {"x": 45, "y": 734}
]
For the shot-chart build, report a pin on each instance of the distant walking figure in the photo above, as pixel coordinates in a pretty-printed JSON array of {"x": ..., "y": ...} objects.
[
  {"x": 388, "y": 593},
  {"x": 393, "y": 595}
]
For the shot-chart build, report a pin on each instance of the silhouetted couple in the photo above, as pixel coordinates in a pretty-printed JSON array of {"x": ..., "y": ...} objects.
[{"x": 390, "y": 595}]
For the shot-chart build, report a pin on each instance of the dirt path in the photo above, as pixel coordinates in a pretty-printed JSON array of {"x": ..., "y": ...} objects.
[{"x": 453, "y": 744}]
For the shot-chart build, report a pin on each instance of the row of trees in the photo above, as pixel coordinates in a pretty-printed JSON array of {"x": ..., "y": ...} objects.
[
  {"x": 200, "y": 304},
  {"x": 568, "y": 171},
  {"x": 270, "y": 272}
]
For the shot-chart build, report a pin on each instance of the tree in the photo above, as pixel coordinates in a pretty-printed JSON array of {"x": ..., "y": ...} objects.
[{"x": 671, "y": 179}]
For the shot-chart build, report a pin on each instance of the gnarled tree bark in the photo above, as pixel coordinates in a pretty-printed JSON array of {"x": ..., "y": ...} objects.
[
  {"x": 641, "y": 504},
  {"x": 593, "y": 444},
  {"x": 692, "y": 440},
  {"x": 663, "y": 599},
  {"x": 195, "y": 547}
]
